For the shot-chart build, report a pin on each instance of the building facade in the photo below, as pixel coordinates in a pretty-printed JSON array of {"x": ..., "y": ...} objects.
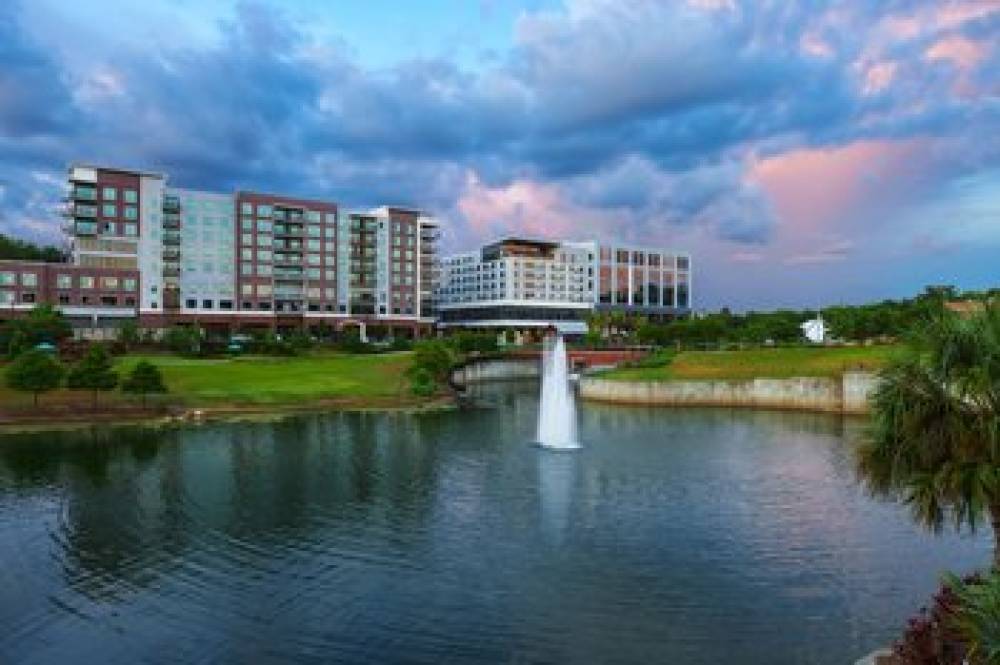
[
  {"x": 165, "y": 256},
  {"x": 532, "y": 284}
]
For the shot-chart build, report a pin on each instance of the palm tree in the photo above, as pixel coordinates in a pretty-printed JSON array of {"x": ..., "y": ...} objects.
[{"x": 935, "y": 433}]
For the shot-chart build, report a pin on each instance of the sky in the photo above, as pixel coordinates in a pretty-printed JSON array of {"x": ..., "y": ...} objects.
[{"x": 805, "y": 153}]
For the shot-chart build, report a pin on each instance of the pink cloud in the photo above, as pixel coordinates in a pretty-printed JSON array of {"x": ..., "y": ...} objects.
[
  {"x": 813, "y": 187},
  {"x": 964, "y": 53},
  {"x": 878, "y": 76},
  {"x": 524, "y": 207}
]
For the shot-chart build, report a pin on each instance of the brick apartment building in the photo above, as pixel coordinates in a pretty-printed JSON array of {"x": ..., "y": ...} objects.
[{"x": 167, "y": 256}]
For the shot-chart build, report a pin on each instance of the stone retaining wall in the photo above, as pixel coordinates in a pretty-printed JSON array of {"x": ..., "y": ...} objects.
[
  {"x": 496, "y": 370},
  {"x": 848, "y": 394}
]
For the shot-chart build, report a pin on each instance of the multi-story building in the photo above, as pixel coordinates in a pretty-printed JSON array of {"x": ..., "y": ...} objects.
[
  {"x": 534, "y": 284},
  {"x": 142, "y": 249}
]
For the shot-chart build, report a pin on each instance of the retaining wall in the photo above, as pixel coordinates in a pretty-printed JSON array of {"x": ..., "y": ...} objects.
[
  {"x": 848, "y": 394},
  {"x": 496, "y": 370}
]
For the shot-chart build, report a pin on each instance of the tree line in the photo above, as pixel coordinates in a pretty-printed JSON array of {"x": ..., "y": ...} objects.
[
  {"x": 888, "y": 319},
  {"x": 22, "y": 250}
]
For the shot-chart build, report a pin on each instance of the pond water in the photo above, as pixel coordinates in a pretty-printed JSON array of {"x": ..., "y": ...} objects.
[{"x": 673, "y": 536}]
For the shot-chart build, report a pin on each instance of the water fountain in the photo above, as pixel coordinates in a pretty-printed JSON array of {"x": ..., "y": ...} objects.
[{"x": 556, "y": 411}]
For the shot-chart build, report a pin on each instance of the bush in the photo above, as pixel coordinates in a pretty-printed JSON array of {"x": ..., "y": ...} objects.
[
  {"x": 184, "y": 340},
  {"x": 422, "y": 383},
  {"x": 145, "y": 378},
  {"x": 471, "y": 342},
  {"x": 931, "y": 637},
  {"x": 977, "y": 618}
]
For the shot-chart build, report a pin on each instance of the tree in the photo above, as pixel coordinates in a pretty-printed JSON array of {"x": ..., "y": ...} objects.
[
  {"x": 145, "y": 378},
  {"x": 935, "y": 434},
  {"x": 44, "y": 323},
  {"x": 128, "y": 334},
  {"x": 17, "y": 344},
  {"x": 34, "y": 372},
  {"x": 12, "y": 248},
  {"x": 94, "y": 373}
]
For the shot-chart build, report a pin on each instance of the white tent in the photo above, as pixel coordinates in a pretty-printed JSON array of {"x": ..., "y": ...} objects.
[{"x": 815, "y": 330}]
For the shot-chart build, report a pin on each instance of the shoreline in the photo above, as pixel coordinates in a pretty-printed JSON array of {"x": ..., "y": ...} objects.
[{"x": 178, "y": 414}]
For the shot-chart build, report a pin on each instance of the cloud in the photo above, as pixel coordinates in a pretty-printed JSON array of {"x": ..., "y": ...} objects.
[
  {"x": 740, "y": 128},
  {"x": 837, "y": 251}
]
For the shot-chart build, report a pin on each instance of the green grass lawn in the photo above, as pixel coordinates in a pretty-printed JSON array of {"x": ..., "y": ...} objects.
[
  {"x": 260, "y": 379},
  {"x": 760, "y": 363}
]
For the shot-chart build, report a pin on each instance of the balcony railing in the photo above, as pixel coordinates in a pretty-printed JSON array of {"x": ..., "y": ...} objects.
[
  {"x": 171, "y": 253},
  {"x": 171, "y": 238},
  {"x": 84, "y": 210},
  {"x": 171, "y": 204},
  {"x": 84, "y": 193},
  {"x": 287, "y": 275},
  {"x": 85, "y": 228}
]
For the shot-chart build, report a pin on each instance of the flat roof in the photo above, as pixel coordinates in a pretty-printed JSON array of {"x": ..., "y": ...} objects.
[{"x": 116, "y": 169}]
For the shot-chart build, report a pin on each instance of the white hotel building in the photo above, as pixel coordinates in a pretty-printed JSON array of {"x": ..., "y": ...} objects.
[{"x": 534, "y": 284}]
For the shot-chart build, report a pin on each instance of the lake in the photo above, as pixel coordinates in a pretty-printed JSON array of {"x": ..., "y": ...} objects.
[{"x": 673, "y": 536}]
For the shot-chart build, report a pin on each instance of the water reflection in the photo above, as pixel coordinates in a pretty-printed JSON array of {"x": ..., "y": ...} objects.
[
  {"x": 675, "y": 536},
  {"x": 556, "y": 478}
]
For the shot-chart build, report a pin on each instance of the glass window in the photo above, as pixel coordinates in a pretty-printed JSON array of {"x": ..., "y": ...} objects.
[
  {"x": 263, "y": 226},
  {"x": 313, "y": 245},
  {"x": 314, "y": 273},
  {"x": 313, "y": 216},
  {"x": 109, "y": 193},
  {"x": 682, "y": 263},
  {"x": 109, "y": 210},
  {"x": 315, "y": 231},
  {"x": 265, "y": 241},
  {"x": 129, "y": 284},
  {"x": 263, "y": 210},
  {"x": 331, "y": 275},
  {"x": 64, "y": 281},
  {"x": 314, "y": 259},
  {"x": 246, "y": 224},
  {"x": 264, "y": 270},
  {"x": 246, "y": 208},
  {"x": 263, "y": 255},
  {"x": 330, "y": 231},
  {"x": 86, "y": 282},
  {"x": 264, "y": 290},
  {"x": 191, "y": 303},
  {"x": 131, "y": 230},
  {"x": 246, "y": 268},
  {"x": 109, "y": 282},
  {"x": 246, "y": 254},
  {"x": 6, "y": 297},
  {"x": 29, "y": 279},
  {"x": 207, "y": 304},
  {"x": 130, "y": 196},
  {"x": 247, "y": 239},
  {"x": 246, "y": 289}
]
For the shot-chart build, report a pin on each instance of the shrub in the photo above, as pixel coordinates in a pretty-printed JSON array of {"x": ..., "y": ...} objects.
[
  {"x": 145, "y": 378},
  {"x": 977, "y": 618},
  {"x": 422, "y": 383},
  {"x": 931, "y": 637}
]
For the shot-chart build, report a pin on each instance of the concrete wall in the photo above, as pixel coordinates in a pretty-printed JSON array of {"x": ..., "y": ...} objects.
[
  {"x": 848, "y": 394},
  {"x": 496, "y": 370}
]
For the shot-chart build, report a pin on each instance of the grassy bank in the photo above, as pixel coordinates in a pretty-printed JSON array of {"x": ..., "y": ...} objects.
[
  {"x": 759, "y": 363},
  {"x": 248, "y": 381}
]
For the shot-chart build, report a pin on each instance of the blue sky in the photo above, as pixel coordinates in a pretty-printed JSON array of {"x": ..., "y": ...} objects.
[{"x": 805, "y": 153}]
